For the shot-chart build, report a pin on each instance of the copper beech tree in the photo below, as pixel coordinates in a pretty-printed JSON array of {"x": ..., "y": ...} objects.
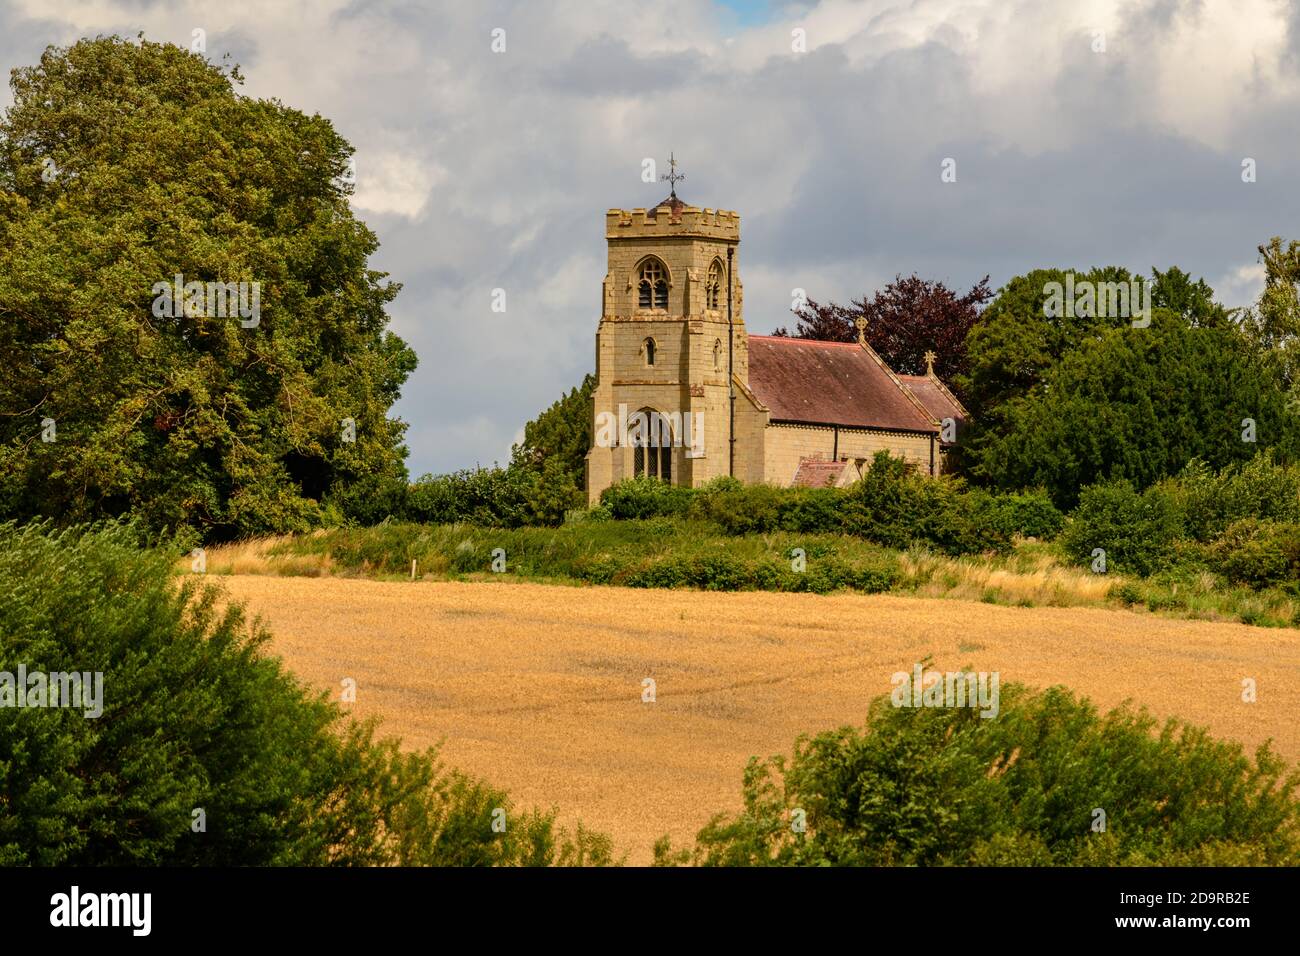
[{"x": 907, "y": 318}]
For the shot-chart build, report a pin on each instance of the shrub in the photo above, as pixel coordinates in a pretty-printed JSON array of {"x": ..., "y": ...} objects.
[
  {"x": 874, "y": 579},
  {"x": 1126, "y": 592},
  {"x": 761, "y": 509},
  {"x": 635, "y": 498},
  {"x": 370, "y": 500},
  {"x": 597, "y": 570},
  {"x": 496, "y": 497},
  {"x": 1029, "y": 514},
  {"x": 194, "y": 714},
  {"x": 718, "y": 572},
  {"x": 746, "y": 509},
  {"x": 944, "y": 786},
  {"x": 895, "y": 506},
  {"x": 812, "y": 510},
  {"x": 551, "y": 494},
  {"x": 1258, "y": 553},
  {"x": 1258, "y": 488},
  {"x": 1138, "y": 532},
  {"x": 671, "y": 573},
  {"x": 721, "y": 572},
  {"x": 892, "y": 505}
]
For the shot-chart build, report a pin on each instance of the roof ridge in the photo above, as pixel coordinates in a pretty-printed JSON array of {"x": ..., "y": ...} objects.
[{"x": 793, "y": 340}]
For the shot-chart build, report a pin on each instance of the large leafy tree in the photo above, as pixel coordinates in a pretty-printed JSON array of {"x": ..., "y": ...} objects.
[
  {"x": 1018, "y": 337},
  {"x": 1192, "y": 300},
  {"x": 561, "y": 433},
  {"x": 1018, "y": 343},
  {"x": 1275, "y": 321},
  {"x": 907, "y": 318},
  {"x": 124, "y": 164},
  {"x": 1138, "y": 404}
]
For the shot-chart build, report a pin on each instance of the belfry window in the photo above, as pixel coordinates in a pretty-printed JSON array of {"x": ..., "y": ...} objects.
[
  {"x": 652, "y": 288},
  {"x": 713, "y": 287},
  {"x": 652, "y": 454}
]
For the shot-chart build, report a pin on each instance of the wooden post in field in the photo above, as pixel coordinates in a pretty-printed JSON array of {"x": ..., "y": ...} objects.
[{"x": 413, "y": 569}]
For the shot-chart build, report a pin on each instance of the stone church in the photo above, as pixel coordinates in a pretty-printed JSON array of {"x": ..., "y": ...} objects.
[{"x": 684, "y": 394}]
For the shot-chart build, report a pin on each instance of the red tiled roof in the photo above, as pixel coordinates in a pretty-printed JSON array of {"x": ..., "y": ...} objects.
[
  {"x": 818, "y": 473},
  {"x": 935, "y": 398},
  {"x": 675, "y": 207},
  {"x": 830, "y": 383}
]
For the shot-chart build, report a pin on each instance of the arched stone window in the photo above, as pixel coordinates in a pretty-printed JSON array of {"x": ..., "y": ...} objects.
[
  {"x": 713, "y": 287},
  {"x": 649, "y": 347},
  {"x": 651, "y": 435},
  {"x": 652, "y": 286},
  {"x": 717, "y": 355}
]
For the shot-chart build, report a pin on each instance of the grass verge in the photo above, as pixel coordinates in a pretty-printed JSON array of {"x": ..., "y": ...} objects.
[{"x": 670, "y": 552}]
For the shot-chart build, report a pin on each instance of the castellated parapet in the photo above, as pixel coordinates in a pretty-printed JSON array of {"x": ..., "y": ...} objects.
[{"x": 672, "y": 220}]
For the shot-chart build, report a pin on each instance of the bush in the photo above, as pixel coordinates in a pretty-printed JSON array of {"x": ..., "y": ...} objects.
[
  {"x": 1138, "y": 532},
  {"x": 943, "y": 786},
  {"x": 895, "y": 506},
  {"x": 636, "y": 498},
  {"x": 670, "y": 573},
  {"x": 1256, "y": 489},
  {"x": 1029, "y": 514},
  {"x": 370, "y": 500},
  {"x": 721, "y": 572},
  {"x": 1126, "y": 592},
  {"x": 1258, "y": 553},
  {"x": 741, "y": 509},
  {"x": 718, "y": 572},
  {"x": 812, "y": 510},
  {"x": 552, "y": 494},
  {"x": 195, "y": 715},
  {"x": 496, "y": 497}
]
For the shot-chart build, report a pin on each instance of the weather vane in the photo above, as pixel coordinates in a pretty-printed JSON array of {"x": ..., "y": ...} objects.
[{"x": 673, "y": 177}]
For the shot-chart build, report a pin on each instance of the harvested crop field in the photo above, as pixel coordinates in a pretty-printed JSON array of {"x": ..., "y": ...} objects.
[{"x": 539, "y": 688}]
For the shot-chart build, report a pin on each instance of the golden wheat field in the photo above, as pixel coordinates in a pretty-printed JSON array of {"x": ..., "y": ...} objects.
[{"x": 539, "y": 688}]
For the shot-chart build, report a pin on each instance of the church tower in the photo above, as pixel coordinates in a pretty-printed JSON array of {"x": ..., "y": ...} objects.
[{"x": 662, "y": 347}]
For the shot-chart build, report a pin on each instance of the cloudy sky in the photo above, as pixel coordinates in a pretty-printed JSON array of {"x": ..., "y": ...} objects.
[{"x": 1085, "y": 132}]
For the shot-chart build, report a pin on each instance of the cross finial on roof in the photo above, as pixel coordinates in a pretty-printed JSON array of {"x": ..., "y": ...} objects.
[
  {"x": 929, "y": 363},
  {"x": 673, "y": 177},
  {"x": 861, "y": 323}
]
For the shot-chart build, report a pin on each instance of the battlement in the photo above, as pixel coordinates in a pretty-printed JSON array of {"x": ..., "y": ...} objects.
[{"x": 668, "y": 220}]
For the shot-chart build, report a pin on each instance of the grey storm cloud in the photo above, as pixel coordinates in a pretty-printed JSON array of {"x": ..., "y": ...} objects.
[
  {"x": 608, "y": 65},
  {"x": 481, "y": 170}
]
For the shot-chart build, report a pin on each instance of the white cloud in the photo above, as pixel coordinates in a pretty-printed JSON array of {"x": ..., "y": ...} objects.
[
  {"x": 1241, "y": 286},
  {"x": 394, "y": 183}
]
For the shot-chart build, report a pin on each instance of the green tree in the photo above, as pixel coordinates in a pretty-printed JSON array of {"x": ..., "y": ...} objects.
[
  {"x": 1274, "y": 323},
  {"x": 1018, "y": 338},
  {"x": 1175, "y": 290},
  {"x": 122, "y": 165},
  {"x": 561, "y": 432},
  {"x": 1139, "y": 404}
]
